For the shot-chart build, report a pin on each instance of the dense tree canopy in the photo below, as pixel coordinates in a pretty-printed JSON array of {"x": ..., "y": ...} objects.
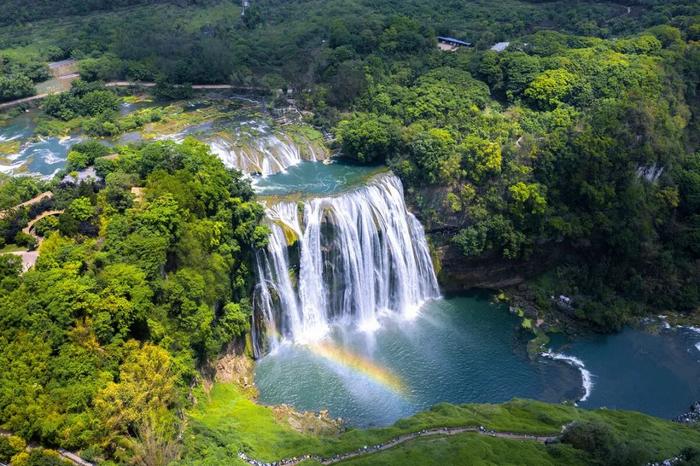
[
  {"x": 578, "y": 142},
  {"x": 558, "y": 142},
  {"x": 156, "y": 288}
]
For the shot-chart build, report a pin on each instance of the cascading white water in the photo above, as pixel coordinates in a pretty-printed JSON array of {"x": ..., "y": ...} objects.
[
  {"x": 268, "y": 155},
  {"x": 342, "y": 259},
  {"x": 254, "y": 147}
]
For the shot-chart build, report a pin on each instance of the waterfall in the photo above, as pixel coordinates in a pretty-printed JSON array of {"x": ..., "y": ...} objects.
[
  {"x": 340, "y": 260},
  {"x": 254, "y": 147},
  {"x": 266, "y": 155}
]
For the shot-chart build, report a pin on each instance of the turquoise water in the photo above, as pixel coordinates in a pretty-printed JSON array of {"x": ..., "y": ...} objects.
[
  {"x": 314, "y": 178},
  {"x": 465, "y": 349},
  {"x": 36, "y": 156},
  {"x": 44, "y": 156},
  {"x": 656, "y": 373}
]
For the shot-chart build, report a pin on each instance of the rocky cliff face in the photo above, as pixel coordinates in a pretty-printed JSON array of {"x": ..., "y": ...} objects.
[{"x": 460, "y": 273}]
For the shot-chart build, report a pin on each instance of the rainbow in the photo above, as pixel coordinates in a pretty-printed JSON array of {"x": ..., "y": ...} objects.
[{"x": 360, "y": 364}]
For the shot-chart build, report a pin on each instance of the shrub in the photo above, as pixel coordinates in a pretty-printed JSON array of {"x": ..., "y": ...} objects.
[
  {"x": 46, "y": 225},
  {"x": 10, "y": 446},
  {"x": 26, "y": 240}
]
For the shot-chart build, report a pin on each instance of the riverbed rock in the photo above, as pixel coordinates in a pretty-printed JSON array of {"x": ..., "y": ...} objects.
[
  {"x": 308, "y": 422},
  {"x": 692, "y": 416},
  {"x": 235, "y": 368}
]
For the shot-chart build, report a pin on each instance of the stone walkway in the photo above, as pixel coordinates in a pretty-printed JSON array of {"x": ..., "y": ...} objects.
[{"x": 29, "y": 258}]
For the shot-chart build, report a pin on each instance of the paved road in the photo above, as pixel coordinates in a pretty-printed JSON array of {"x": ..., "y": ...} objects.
[
  {"x": 193, "y": 86},
  {"x": 22, "y": 101},
  {"x": 30, "y": 225},
  {"x": 29, "y": 257},
  {"x": 129, "y": 84}
]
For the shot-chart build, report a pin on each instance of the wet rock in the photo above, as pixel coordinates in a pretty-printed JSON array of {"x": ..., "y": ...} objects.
[{"x": 690, "y": 417}]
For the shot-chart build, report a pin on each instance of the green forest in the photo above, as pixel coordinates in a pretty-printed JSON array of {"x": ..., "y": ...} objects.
[{"x": 572, "y": 153}]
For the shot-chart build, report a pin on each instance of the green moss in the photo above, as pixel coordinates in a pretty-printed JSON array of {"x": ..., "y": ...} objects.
[
  {"x": 9, "y": 147},
  {"x": 536, "y": 345}
]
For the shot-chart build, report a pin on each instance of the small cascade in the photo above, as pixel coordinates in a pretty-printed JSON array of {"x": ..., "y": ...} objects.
[
  {"x": 265, "y": 155},
  {"x": 254, "y": 147},
  {"x": 340, "y": 260}
]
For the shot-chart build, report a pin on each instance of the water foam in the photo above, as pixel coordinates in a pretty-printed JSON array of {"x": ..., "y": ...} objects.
[{"x": 586, "y": 376}]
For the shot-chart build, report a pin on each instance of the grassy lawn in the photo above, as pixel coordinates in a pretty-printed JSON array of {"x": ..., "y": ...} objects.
[
  {"x": 226, "y": 421},
  {"x": 473, "y": 449},
  {"x": 11, "y": 248}
]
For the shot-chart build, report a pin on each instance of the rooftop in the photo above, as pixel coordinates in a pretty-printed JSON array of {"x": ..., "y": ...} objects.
[{"x": 452, "y": 40}]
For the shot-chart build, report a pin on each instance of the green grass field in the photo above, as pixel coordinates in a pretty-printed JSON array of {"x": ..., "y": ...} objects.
[
  {"x": 226, "y": 421},
  {"x": 472, "y": 449}
]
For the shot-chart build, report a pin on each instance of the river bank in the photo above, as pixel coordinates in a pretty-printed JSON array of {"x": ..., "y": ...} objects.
[{"x": 225, "y": 425}]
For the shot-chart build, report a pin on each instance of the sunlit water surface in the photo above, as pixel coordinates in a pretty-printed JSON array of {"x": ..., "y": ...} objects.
[{"x": 464, "y": 349}]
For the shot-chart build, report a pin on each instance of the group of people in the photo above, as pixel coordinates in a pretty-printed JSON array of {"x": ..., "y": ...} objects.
[{"x": 380, "y": 446}]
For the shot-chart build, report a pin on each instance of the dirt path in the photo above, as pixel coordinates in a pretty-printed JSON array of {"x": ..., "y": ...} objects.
[{"x": 368, "y": 450}]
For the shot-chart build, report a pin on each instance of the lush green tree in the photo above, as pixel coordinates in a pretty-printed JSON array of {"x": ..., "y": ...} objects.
[
  {"x": 15, "y": 87},
  {"x": 551, "y": 88},
  {"x": 368, "y": 137},
  {"x": 83, "y": 154},
  {"x": 480, "y": 157},
  {"x": 147, "y": 387},
  {"x": 84, "y": 99},
  {"x": 103, "y": 68},
  {"x": 433, "y": 152},
  {"x": 9, "y": 446}
]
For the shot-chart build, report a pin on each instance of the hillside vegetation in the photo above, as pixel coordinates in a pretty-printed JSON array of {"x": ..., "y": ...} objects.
[{"x": 575, "y": 150}]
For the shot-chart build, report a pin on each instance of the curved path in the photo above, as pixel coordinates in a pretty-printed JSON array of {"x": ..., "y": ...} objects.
[
  {"x": 368, "y": 450},
  {"x": 30, "y": 225},
  {"x": 29, "y": 257}
]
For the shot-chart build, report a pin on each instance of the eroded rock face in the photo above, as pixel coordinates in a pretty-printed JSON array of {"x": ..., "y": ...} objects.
[
  {"x": 236, "y": 368},
  {"x": 308, "y": 422},
  {"x": 489, "y": 271}
]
